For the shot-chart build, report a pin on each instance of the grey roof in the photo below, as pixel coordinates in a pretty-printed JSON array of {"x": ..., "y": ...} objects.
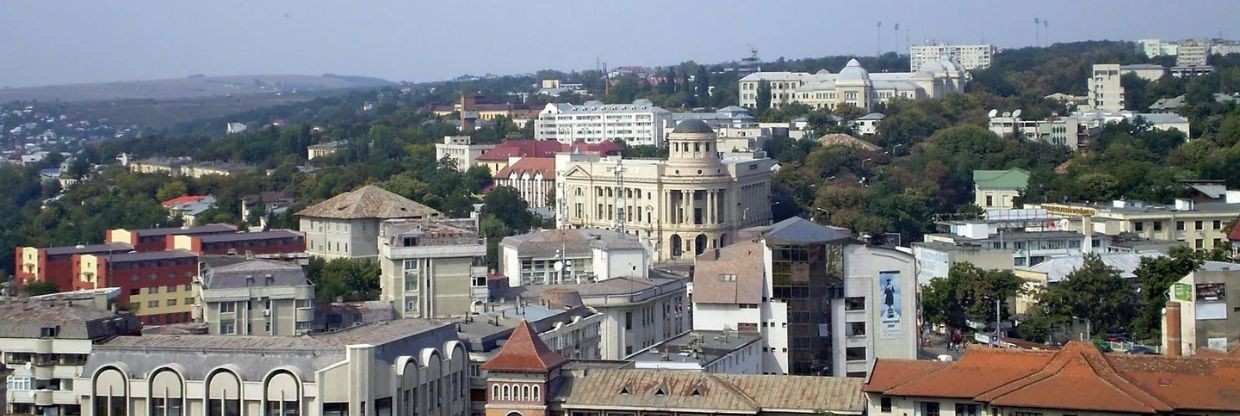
[
  {"x": 484, "y": 331},
  {"x": 872, "y": 116},
  {"x": 26, "y": 319},
  {"x": 692, "y": 126},
  {"x": 577, "y": 242},
  {"x": 368, "y": 202},
  {"x": 260, "y": 235},
  {"x": 1159, "y": 118},
  {"x": 88, "y": 249},
  {"x": 698, "y": 346},
  {"x": 202, "y": 229},
  {"x": 150, "y": 256},
  {"x": 254, "y": 273},
  {"x": 797, "y": 230},
  {"x": 1220, "y": 266},
  {"x": 1058, "y": 268}
]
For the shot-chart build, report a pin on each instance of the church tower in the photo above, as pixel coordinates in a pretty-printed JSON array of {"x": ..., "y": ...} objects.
[{"x": 521, "y": 377}]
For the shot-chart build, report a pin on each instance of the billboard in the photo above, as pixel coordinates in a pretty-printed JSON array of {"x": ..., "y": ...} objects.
[{"x": 890, "y": 312}]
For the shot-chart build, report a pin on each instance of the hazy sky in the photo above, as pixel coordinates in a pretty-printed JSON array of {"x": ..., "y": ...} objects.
[{"x": 63, "y": 41}]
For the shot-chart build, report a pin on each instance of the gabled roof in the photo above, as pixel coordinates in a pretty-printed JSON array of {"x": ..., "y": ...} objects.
[
  {"x": 524, "y": 352},
  {"x": 183, "y": 200},
  {"x": 368, "y": 202},
  {"x": 1001, "y": 179},
  {"x": 797, "y": 230},
  {"x": 692, "y": 391},
  {"x": 530, "y": 165},
  {"x": 1077, "y": 377}
]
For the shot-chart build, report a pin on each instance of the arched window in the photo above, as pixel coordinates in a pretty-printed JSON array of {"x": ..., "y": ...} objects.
[
  {"x": 699, "y": 244},
  {"x": 283, "y": 395},
  {"x": 676, "y": 248},
  {"x": 534, "y": 390},
  {"x": 223, "y": 394},
  {"x": 110, "y": 393},
  {"x": 578, "y": 191},
  {"x": 167, "y": 394},
  {"x": 525, "y": 392},
  {"x": 507, "y": 392}
]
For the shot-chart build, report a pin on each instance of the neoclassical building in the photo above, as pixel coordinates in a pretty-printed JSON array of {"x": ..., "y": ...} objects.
[
  {"x": 681, "y": 207},
  {"x": 854, "y": 86}
]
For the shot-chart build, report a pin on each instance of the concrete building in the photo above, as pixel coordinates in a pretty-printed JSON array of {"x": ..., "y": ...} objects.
[
  {"x": 1154, "y": 48},
  {"x": 155, "y": 285},
  {"x": 1039, "y": 277},
  {"x": 572, "y": 256},
  {"x": 867, "y": 125},
  {"x": 274, "y": 243},
  {"x": 1075, "y": 380},
  {"x": 156, "y": 239},
  {"x": 533, "y": 178},
  {"x": 55, "y": 264},
  {"x": 347, "y": 225},
  {"x": 969, "y": 57},
  {"x": 528, "y": 378},
  {"x": 1199, "y": 225},
  {"x": 853, "y": 86},
  {"x": 999, "y": 188},
  {"x": 693, "y": 201},
  {"x": 639, "y": 123},
  {"x": 432, "y": 268},
  {"x": 1193, "y": 53},
  {"x": 322, "y": 150},
  {"x": 820, "y": 303},
  {"x": 238, "y": 296},
  {"x": 461, "y": 151},
  {"x": 401, "y": 367},
  {"x": 1105, "y": 91},
  {"x": 935, "y": 259},
  {"x": 719, "y": 352},
  {"x": 1208, "y": 310},
  {"x": 638, "y": 313},
  {"x": 1028, "y": 247},
  {"x": 1148, "y": 72},
  {"x": 45, "y": 345},
  {"x": 510, "y": 152}
]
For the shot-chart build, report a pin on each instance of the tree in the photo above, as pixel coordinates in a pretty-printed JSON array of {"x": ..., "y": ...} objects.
[
  {"x": 969, "y": 293},
  {"x": 40, "y": 288},
  {"x": 702, "y": 85},
  {"x": 1094, "y": 292},
  {"x": 345, "y": 279},
  {"x": 505, "y": 204},
  {"x": 171, "y": 189},
  {"x": 1155, "y": 276},
  {"x": 764, "y": 97}
]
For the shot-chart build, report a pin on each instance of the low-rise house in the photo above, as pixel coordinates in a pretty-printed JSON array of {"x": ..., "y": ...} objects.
[
  {"x": 322, "y": 150},
  {"x": 867, "y": 124},
  {"x": 839, "y": 139},
  {"x": 999, "y": 188},
  {"x": 237, "y": 296},
  {"x": 188, "y": 207},
  {"x": 347, "y": 225}
]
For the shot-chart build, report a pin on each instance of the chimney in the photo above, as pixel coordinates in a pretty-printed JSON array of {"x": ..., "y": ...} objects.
[{"x": 1173, "y": 330}]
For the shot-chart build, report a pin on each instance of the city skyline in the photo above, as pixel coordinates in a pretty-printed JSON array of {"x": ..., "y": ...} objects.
[{"x": 143, "y": 40}]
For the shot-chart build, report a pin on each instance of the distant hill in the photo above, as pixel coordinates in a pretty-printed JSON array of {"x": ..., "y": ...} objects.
[{"x": 190, "y": 87}]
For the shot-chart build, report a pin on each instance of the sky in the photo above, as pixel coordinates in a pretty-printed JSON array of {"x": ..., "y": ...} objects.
[{"x": 70, "y": 41}]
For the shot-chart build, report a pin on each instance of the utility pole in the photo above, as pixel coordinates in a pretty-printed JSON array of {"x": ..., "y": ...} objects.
[{"x": 619, "y": 198}]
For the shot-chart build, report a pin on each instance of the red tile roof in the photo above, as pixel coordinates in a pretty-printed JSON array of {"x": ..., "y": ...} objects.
[
  {"x": 1077, "y": 377},
  {"x": 530, "y": 165},
  {"x": 524, "y": 352},
  {"x": 182, "y": 200},
  {"x": 544, "y": 148}
]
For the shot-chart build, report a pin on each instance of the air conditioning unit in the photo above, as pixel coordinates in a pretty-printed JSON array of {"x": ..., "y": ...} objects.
[{"x": 266, "y": 312}]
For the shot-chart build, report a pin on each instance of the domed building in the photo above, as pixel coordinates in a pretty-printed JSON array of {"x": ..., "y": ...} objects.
[
  {"x": 854, "y": 86},
  {"x": 693, "y": 201}
]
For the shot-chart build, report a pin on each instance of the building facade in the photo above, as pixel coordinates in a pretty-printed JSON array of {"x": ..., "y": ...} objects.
[
  {"x": 401, "y": 367},
  {"x": 694, "y": 201},
  {"x": 260, "y": 243},
  {"x": 432, "y": 268},
  {"x": 155, "y": 286},
  {"x": 461, "y": 151},
  {"x": 55, "y": 264},
  {"x": 1192, "y": 53},
  {"x": 969, "y": 57},
  {"x": 1208, "y": 318},
  {"x": 533, "y": 178},
  {"x": 1199, "y": 225},
  {"x": 999, "y": 188},
  {"x": 347, "y": 225},
  {"x": 639, "y": 123},
  {"x": 853, "y": 86},
  {"x": 156, "y": 239},
  {"x": 254, "y": 297},
  {"x": 1105, "y": 91},
  {"x": 572, "y": 256}
]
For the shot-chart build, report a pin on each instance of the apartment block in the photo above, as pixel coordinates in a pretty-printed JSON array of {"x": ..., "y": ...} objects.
[
  {"x": 347, "y": 225},
  {"x": 55, "y": 264},
  {"x": 238, "y": 296},
  {"x": 432, "y": 268},
  {"x": 639, "y": 123},
  {"x": 156, "y": 239},
  {"x": 258, "y": 243},
  {"x": 969, "y": 57},
  {"x": 155, "y": 286}
]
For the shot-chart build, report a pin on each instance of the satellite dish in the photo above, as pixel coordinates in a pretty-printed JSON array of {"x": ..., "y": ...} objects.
[
  {"x": 1016, "y": 113},
  {"x": 559, "y": 266},
  {"x": 992, "y": 113}
]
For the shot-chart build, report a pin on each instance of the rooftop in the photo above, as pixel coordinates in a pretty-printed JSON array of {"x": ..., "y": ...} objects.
[
  {"x": 799, "y": 231},
  {"x": 368, "y": 202},
  {"x": 699, "y": 346},
  {"x": 250, "y": 236},
  {"x": 1001, "y": 179},
  {"x": 692, "y": 126},
  {"x": 1058, "y": 268},
  {"x": 254, "y": 273},
  {"x": 88, "y": 249},
  {"x": 71, "y": 320},
  {"x": 524, "y": 352},
  {"x": 743, "y": 260},
  {"x": 1075, "y": 378},
  {"x": 374, "y": 334},
  {"x": 485, "y": 330},
  {"x": 577, "y": 242},
  {"x": 149, "y": 256},
  {"x": 202, "y": 229}
]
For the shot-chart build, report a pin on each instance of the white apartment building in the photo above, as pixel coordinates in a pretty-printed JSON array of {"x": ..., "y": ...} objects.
[
  {"x": 823, "y": 304},
  {"x": 639, "y": 123},
  {"x": 1105, "y": 91},
  {"x": 347, "y": 225},
  {"x": 1076, "y": 130},
  {"x": 694, "y": 201},
  {"x": 460, "y": 151},
  {"x": 236, "y": 296},
  {"x": 1156, "y": 47},
  {"x": 969, "y": 57},
  {"x": 432, "y": 268},
  {"x": 572, "y": 256},
  {"x": 853, "y": 86}
]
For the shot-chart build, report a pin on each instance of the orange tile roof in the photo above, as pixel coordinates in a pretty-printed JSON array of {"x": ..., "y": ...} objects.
[
  {"x": 524, "y": 352},
  {"x": 532, "y": 166},
  {"x": 1077, "y": 377},
  {"x": 183, "y": 199}
]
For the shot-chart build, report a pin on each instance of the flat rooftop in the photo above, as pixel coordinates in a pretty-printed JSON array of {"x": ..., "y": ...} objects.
[{"x": 700, "y": 346}]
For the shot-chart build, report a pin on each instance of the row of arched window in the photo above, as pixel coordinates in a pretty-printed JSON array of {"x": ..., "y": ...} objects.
[
  {"x": 167, "y": 394},
  {"x": 516, "y": 392}
]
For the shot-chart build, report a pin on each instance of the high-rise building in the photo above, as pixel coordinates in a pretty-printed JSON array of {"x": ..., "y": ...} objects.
[
  {"x": 639, "y": 123},
  {"x": 432, "y": 268},
  {"x": 969, "y": 57},
  {"x": 1105, "y": 91},
  {"x": 694, "y": 201}
]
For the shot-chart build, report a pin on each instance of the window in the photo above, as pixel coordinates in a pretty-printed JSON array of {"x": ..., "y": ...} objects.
[
  {"x": 228, "y": 307},
  {"x": 628, "y": 320},
  {"x": 228, "y": 326},
  {"x": 1179, "y": 225},
  {"x": 1199, "y": 244},
  {"x": 856, "y": 329},
  {"x": 854, "y": 353},
  {"x": 966, "y": 410},
  {"x": 172, "y": 302},
  {"x": 1157, "y": 225},
  {"x": 1218, "y": 225},
  {"x": 152, "y": 304},
  {"x": 1139, "y": 226},
  {"x": 189, "y": 301},
  {"x": 1198, "y": 225},
  {"x": 854, "y": 304},
  {"x": 929, "y": 408},
  {"x": 884, "y": 405},
  {"x": 727, "y": 277},
  {"x": 152, "y": 289},
  {"x": 990, "y": 201}
]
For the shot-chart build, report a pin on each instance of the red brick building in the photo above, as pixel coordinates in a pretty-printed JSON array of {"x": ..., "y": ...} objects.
[
  {"x": 55, "y": 264},
  {"x": 155, "y": 285},
  {"x": 257, "y": 243},
  {"x": 156, "y": 239}
]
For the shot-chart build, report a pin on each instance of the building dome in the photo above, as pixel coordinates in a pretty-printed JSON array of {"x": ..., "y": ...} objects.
[
  {"x": 854, "y": 72},
  {"x": 692, "y": 126}
]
